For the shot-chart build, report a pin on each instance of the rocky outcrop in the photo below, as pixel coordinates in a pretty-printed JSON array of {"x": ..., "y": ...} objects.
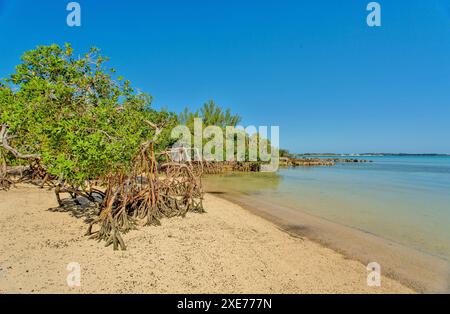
[{"x": 314, "y": 162}]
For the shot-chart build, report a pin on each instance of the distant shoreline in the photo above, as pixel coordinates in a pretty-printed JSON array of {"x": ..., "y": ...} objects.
[{"x": 374, "y": 154}]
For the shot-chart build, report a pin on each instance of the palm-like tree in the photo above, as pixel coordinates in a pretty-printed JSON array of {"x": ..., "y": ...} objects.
[{"x": 211, "y": 114}]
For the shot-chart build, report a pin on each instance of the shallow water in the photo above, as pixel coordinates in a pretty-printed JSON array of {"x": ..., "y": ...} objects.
[{"x": 402, "y": 199}]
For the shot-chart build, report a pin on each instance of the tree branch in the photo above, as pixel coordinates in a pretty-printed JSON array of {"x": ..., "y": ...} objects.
[
  {"x": 158, "y": 129},
  {"x": 4, "y": 143}
]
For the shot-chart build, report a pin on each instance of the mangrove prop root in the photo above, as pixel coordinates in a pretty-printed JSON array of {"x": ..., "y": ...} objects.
[
  {"x": 157, "y": 186},
  {"x": 5, "y": 181},
  {"x": 149, "y": 193}
]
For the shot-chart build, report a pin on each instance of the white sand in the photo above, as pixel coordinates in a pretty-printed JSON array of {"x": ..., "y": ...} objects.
[{"x": 226, "y": 250}]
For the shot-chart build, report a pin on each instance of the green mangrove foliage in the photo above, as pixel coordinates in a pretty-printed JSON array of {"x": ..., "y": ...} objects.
[
  {"x": 71, "y": 114},
  {"x": 240, "y": 150},
  {"x": 80, "y": 131}
]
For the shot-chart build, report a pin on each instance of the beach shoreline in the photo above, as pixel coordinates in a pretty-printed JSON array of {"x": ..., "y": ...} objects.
[
  {"x": 226, "y": 250},
  {"x": 422, "y": 272}
]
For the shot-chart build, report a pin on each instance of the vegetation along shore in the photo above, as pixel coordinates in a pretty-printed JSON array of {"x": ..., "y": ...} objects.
[{"x": 84, "y": 156}]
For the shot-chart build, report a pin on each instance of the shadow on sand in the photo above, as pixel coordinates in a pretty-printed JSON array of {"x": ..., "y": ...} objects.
[{"x": 79, "y": 208}]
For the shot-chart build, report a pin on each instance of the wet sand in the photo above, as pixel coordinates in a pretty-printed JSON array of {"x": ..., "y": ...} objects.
[
  {"x": 226, "y": 250},
  {"x": 417, "y": 270}
]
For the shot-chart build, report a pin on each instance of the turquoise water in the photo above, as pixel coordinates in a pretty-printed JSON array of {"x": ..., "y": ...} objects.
[{"x": 403, "y": 199}]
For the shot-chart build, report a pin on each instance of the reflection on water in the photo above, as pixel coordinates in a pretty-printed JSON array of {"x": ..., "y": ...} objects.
[
  {"x": 404, "y": 199},
  {"x": 243, "y": 182}
]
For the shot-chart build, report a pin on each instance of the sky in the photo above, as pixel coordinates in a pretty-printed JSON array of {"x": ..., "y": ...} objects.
[{"x": 313, "y": 68}]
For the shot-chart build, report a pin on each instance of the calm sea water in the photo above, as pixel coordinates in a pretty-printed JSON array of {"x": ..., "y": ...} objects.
[{"x": 403, "y": 199}]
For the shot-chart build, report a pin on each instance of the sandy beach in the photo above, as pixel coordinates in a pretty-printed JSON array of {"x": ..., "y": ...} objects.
[
  {"x": 420, "y": 271},
  {"x": 227, "y": 250}
]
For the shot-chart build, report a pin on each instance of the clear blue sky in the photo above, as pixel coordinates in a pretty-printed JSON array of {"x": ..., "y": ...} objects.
[{"x": 314, "y": 68}]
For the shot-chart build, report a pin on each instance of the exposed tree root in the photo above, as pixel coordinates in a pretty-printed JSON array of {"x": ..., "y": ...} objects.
[
  {"x": 144, "y": 197},
  {"x": 5, "y": 181},
  {"x": 218, "y": 167},
  {"x": 125, "y": 200}
]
